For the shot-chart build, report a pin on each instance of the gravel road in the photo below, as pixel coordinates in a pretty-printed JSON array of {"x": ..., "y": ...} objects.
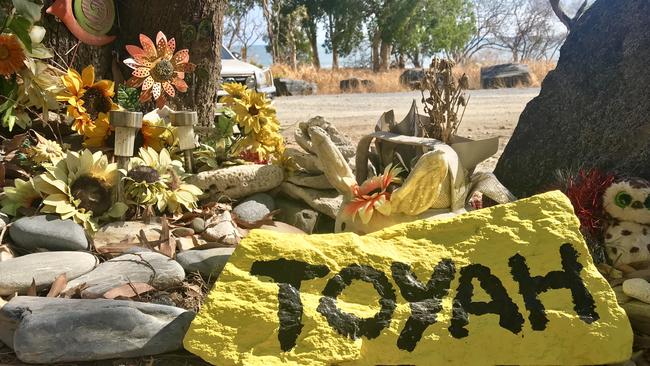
[{"x": 489, "y": 113}]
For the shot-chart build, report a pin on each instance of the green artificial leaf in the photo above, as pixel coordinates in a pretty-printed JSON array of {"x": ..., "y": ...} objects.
[
  {"x": 9, "y": 119},
  {"x": 20, "y": 27},
  {"x": 129, "y": 98},
  {"x": 31, "y": 11},
  {"x": 117, "y": 210},
  {"x": 9, "y": 90},
  {"x": 41, "y": 52}
]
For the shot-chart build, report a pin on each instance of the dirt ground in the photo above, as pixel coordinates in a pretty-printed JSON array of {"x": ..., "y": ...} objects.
[{"x": 490, "y": 113}]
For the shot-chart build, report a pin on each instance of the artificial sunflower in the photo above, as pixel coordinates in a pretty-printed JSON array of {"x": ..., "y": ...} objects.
[
  {"x": 21, "y": 195},
  {"x": 155, "y": 178},
  {"x": 88, "y": 101},
  {"x": 45, "y": 151},
  {"x": 372, "y": 194},
  {"x": 156, "y": 133},
  {"x": 79, "y": 187},
  {"x": 157, "y": 69},
  {"x": 234, "y": 90},
  {"x": 12, "y": 56},
  {"x": 252, "y": 111}
]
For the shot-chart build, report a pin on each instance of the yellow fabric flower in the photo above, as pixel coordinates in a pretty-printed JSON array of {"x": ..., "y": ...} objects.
[
  {"x": 45, "y": 151},
  {"x": 21, "y": 195},
  {"x": 88, "y": 102},
  {"x": 157, "y": 134}
]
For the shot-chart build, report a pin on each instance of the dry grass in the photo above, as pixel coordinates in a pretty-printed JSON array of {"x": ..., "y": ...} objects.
[{"x": 385, "y": 82}]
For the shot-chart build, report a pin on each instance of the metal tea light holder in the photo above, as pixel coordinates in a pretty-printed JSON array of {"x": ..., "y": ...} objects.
[
  {"x": 184, "y": 121},
  {"x": 126, "y": 125}
]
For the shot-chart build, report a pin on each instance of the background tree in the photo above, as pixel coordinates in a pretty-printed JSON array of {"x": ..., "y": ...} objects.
[
  {"x": 528, "y": 31},
  {"x": 344, "y": 25},
  {"x": 196, "y": 25},
  {"x": 489, "y": 16},
  {"x": 241, "y": 27}
]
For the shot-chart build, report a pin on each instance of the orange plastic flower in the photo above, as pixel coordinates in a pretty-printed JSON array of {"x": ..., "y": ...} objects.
[
  {"x": 12, "y": 56},
  {"x": 372, "y": 194},
  {"x": 157, "y": 69}
]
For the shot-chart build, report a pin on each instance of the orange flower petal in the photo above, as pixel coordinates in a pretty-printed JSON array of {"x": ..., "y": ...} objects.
[
  {"x": 148, "y": 46},
  {"x": 135, "y": 51},
  {"x": 169, "y": 89},
  {"x": 181, "y": 57},
  {"x": 181, "y": 85},
  {"x": 131, "y": 63},
  {"x": 141, "y": 72},
  {"x": 171, "y": 45},
  {"x": 156, "y": 90},
  {"x": 148, "y": 83},
  {"x": 88, "y": 76}
]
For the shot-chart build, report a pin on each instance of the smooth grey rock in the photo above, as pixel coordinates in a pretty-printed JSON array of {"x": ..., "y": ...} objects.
[
  {"x": 412, "y": 78},
  {"x": 198, "y": 224},
  {"x": 16, "y": 274},
  {"x": 289, "y": 87},
  {"x": 356, "y": 84},
  {"x": 254, "y": 208},
  {"x": 118, "y": 237},
  {"x": 207, "y": 262},
  {"x": 505, "y": 76},
  {"x": 592, "y": 110},
  {"x": 48, "y": 232},
  {"x": 297, "y": 214},
  {"x": 134, "y": 250},
  {"x": 51, "y": 330},
  {"x": 222, "y": 230},
  {"x": 180, "y": 232},
  {"x": 156, "y": 269},
  {"x": 310, "y": 181}
]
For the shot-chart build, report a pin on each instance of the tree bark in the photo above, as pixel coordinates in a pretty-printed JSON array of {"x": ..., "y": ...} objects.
[
  {"x": 385, "y": 51},
  {"x": 149, "y": 17},
  {"x": 376, "y": 43},
  {"x": 313, "y": 42}
]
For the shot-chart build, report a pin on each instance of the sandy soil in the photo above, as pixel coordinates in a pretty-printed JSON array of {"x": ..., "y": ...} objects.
[{"x": 490, "y": 113}]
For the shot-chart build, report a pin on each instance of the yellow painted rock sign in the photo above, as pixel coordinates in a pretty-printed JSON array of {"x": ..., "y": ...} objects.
[{"x": 513, "y": 284}]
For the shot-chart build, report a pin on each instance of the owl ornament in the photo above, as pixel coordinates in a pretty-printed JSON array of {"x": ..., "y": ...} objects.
[{"x": 627, "y": 236}]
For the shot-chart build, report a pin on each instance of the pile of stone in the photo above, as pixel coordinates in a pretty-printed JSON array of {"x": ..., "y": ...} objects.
[
  {"x": 91, "y": 285},
  {"x": 308, "y": 195}
]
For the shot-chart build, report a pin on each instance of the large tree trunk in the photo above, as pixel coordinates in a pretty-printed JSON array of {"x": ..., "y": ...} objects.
[
  {"x": 148, "y": 17},
  {"x": 386, "y": 49},
  {"x": 313, "y": 42},
  {"x": 376, "y": 43}
]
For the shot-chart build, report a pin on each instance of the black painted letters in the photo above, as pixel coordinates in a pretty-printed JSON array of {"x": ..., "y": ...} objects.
[
  {"x": 289, "y": 274},
  {"x": 568, "y": 278},
  {"x": 425, "y": 301}
]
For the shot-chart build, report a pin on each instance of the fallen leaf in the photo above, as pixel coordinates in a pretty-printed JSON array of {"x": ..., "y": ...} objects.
[
  {"x": 58, "y": 286},
  {"x": 32, "y": 289},
  {"x": 75, "y": 292},
  {"x": 128, "y": 290},
  {"x": 167, "y": 240},
  {"x": 193, "y": 290}
]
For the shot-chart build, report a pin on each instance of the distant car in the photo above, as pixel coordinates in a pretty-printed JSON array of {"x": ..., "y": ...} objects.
[{"x": 236, "y": 71}]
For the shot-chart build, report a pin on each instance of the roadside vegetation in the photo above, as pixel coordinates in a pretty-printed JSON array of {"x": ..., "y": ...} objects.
[{"x": 328, "y": 80}]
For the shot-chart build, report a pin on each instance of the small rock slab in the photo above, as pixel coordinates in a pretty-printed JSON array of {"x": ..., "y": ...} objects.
[
  {"x": 118, "y": 237},
  {"x": 48, "y": 330},
  {"x": 16, "y": 274},
  {"x": 48, "y": 232},
  {"x": 505, "y": 76},
  {"x": 254, "y": 208},
  {"x": 297, "y": 214},
  {"x": 462, "y": 291},
  {"x": 207, "y": 262},
  {"x": 153, "y": 268}
]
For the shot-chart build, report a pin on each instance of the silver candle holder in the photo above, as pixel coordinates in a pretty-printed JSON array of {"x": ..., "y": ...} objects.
[{"x": 184, "y": 121}]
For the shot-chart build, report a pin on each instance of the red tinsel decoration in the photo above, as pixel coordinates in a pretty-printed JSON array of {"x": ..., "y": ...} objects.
[
  {"x": 252, "y": 157},
  {"x": 585, "y": 190}
]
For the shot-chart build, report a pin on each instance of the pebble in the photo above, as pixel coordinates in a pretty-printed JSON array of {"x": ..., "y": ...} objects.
[
  {"x": 159, "y": 271},
  {"x": 48, "y": 232},
  {"x": 118, "y": 237},
  {"x": 254, "y": 208},
  {"x": 637, "y": 288},
  {"x": 180, "y": 232},
  {"x": 52, "y": 330},
  {"x": 224, "y": 231},
  {"x": 16, "y": 274},
  {"x": 207, "y": 262},
  {"x": 298, "y": 214},
  {"x": 198, "y": 224}
]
